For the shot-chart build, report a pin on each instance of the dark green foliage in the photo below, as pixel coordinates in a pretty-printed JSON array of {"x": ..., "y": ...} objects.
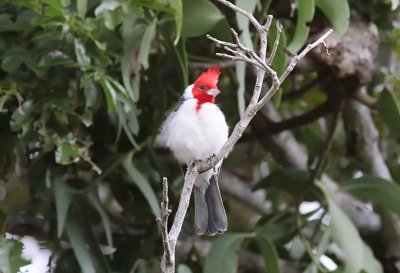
[{"x": 84, "y": 87}]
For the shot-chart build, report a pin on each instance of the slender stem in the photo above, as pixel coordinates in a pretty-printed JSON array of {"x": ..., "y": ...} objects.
[
  {"x": 326, "y": 147},
  {"x": 276, "y": 43},
  {"x": 168, "y": 259}
]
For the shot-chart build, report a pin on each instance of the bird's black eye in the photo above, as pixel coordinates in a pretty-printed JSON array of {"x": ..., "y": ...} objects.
[{"x": 203, "y": 87}]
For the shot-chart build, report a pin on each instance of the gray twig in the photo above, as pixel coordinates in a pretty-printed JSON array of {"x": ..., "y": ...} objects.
[
  {"x": 276, "y": 43},
  {"x": 169, "y": 257}
]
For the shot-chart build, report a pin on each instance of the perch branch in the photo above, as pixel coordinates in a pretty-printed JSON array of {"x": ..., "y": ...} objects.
[{"x": 240, "y": 53}]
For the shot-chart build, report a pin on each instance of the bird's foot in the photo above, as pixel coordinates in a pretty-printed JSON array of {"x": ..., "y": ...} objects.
[
  {"x": 213, "y": 161},
  {"x": 193, "y": 162}
]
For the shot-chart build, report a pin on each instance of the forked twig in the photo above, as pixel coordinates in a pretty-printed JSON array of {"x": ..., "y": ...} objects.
[{"x": 168, "y": 258}]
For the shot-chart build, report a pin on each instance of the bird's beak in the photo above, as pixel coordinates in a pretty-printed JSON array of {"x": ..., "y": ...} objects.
[{"x": 213, "y": 92}]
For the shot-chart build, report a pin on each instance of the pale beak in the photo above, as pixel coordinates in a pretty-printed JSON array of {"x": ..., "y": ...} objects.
[{"x": 213, "y": 92}]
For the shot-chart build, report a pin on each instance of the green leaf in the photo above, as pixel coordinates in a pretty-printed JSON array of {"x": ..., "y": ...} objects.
[
  {"x": 11, "y": 63},
  {"x": 371, "y": 264},
  {"x": 132, "y": 33},
  {"x": 279, "y": 63},
  {"x": 78, "y": 243},
  {"x": 156, "y": 5},
  {"x": 6, "y": 24},
  {"x": 13, "y": 59},
  {"x": 63, "y": 195},
  {"x": 142, "y": 183},
  {"x": 22, "y": 116},
  {"x": 346, "y": 236},
  {"x": 180, "y": 51},
  {"x": 112, "y": 18},
  {"x": 109, "y": 93},
  {"x": 54, "y": 58},
  {"x": 390, "y": 113},
  {"x": 199, "y": 17},
  {"x": 243, "y": 22},
  {"x": 11, "y": 259},
  {"x": 145, "y": 45},
  {"x": 338, "y": 13},
  {"x": 67, "y": 153},
  {"x": 270, "y": 254},
  {"x": 92, "y": 97},
  {"x": 279, "y": 228},
  {"x": 80, "y": 52},
  {"x": 376, "y": 190},
  {"x": 222, "y": 31},
  {"x": 223, "y": 254},
  {"x": 65, "y": 3},
  {"x": 245, "y": 37},
  {"x": 305, "y": 13},
  {"x": 183, "y": 268},
  {"x": 94, "y": 199},
  {"x": 81, "y": 6},
  {"x": 177, "y": 6}
]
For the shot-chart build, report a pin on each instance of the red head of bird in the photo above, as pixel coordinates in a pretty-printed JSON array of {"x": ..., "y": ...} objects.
[{"x": 205, "y": 86}]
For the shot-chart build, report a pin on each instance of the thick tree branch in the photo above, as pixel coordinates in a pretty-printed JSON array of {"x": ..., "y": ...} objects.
[
  {"x": 267, "y": 127},
  {"x": 297, "y": 93},
  {"x": 360, "y": 125},
  {"x": 242, "y": 192},
  {"x": 288, "y": 152},
  {"x": 300, "y": 120}
]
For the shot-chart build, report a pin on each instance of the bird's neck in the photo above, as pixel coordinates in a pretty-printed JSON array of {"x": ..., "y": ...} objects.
[
  {"x": 202, "y": 97},
  {"x": 202, "y": 100}
]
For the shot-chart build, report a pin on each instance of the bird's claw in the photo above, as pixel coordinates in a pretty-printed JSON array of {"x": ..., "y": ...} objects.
[
  {"x": 191, "y": 163},
  {"x": 212, "y": 159}
]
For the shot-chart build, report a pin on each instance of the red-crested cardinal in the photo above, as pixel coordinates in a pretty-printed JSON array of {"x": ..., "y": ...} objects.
[{"x": 196, "y": 129}]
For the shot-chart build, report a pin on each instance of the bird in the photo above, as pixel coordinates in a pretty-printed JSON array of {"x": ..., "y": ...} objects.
[{"x": 195, "y": 130}]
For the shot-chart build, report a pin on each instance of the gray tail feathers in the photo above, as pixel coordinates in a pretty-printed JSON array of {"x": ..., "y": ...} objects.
[{"x": 209, "y": 211}]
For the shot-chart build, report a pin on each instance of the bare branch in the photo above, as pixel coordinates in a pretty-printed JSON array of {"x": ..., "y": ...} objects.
[
  {"x": 297, "y": 58},
  {"x": 242, "y": 191},
  {"x": 267, "y": 24},
  {"x": 276, "y": 43},
  {"x": 290, "y": 67},
  {"x": 220, "y": 43},
  {"x": 239, "y": 58},
  {"x": 168, "y": 259}
]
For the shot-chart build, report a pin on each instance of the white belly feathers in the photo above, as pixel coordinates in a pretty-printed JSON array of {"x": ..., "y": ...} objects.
[{"x": 193, "y": 135}]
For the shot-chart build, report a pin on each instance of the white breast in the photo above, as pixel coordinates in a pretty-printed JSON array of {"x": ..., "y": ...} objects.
[{"x": 193, "y": 135}]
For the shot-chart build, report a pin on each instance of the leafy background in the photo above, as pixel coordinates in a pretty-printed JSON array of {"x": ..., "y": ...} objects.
[{"x": 84, "y": 87}]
